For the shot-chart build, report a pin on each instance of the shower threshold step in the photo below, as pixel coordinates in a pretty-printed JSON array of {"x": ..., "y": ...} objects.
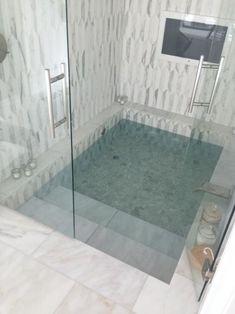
[
  {"x": 118, "y": 221},
  {"x": 117, "y": 245},
  {"x": 145, "y": 246},
  {"x": 134, "y": 253},
  {"x": 58, "y": 218}
]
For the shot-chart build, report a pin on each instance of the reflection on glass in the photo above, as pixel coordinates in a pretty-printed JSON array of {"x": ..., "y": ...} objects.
[{"x": 192, "y": 39}]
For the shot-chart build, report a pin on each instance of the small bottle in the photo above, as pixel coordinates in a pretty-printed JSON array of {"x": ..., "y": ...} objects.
[
  {"x": 16, "y": 173},
  {"x": 206, "y": 234},
  {"x": 32, "y": 163},
  {"x": 27, "y": 170}
]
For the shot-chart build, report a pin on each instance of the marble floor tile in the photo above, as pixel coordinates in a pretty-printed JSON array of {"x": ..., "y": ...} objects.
[
  {"x": 182, "y": 296},
  {"x": 133, "y": 253},
  {"x": 152, "y": 298},
  {"x": 82, "y": 300},
  {"x": 160, "y": 298},
  {"x": 27, "y": 286},
  {"x": 86, "y": 207},
  {"x": 49, "y": 215},
  {"x": 150, "y": 235},
  {"x": 58, "y": 218},
  {"x": 183, "y": 268},
  {"x": 21, "y": 232},
  {"x": 100, "y": 272}
]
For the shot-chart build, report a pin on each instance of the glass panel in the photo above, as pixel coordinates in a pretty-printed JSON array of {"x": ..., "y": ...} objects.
[
  {"x": 138, "y": 164},
  {"x": 32, "y": 162},
  {"x": 128, "y": 167},
  {"x": 215, "y": 130}
]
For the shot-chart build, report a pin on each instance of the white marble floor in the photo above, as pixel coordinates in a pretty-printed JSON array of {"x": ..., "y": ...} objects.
[
  {"x": 43, "y": 272},
  {"x": 138, "y": 243}
]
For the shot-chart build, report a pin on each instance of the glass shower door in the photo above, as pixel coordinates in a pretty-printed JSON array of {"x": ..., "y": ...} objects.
[
  {"x": 209, "y": 229},
  {"x": 35, "y": 135},
  {"x": 136, "y": 172}
]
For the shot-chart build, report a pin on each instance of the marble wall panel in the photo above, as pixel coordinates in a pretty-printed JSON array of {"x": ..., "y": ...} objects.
[
  {"x": 113, "y": 50},
  {"x": 35, "y": 32},
  {"x": 151, "y": 81}
]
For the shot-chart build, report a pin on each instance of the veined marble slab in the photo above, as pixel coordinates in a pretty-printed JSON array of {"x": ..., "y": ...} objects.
[
  {"x": 38, "y": 283},
  {"x": 85, "y": 301},
  {"x": 28, "y": 287},
  {"x": 57, "y": 218},
  {"x": 21, "y": 232},
  {"x": 108, "y": 276},
  {"x": 158, "y": 297}
]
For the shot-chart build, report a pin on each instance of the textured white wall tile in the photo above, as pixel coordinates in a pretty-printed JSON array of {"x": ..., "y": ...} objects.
[
  {"x": 95, "y": 45},
  {"x": 113, "y": 49},
  {"x": 168, "y": 85},
  {"x": 36, "y": 36}
]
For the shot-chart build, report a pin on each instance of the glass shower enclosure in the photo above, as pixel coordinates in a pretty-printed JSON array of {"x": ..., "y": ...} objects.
[
  {"x": 35, "y": 110},
  {"x": 102, "y": 137}
]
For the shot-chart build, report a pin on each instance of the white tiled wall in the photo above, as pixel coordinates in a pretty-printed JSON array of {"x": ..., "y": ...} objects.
[
  {"x": 112, "y": 50},
  {"x": 36, "y": 36},
  {"x": 35, "y": 32},
  {"x": 153, "y": 82},
  {"x": 96, "y": 32},
  {"x": 54, "y": 165}
]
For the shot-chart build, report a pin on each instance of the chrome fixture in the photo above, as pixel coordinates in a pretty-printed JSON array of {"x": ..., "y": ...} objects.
[
  {"x": 49, "y": 81},
  {"x": 208, "y": 270},
  {"x": 211, "y": 66}
]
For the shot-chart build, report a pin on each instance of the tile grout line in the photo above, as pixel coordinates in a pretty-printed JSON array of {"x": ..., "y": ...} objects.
[
  {"x": 23, "y": 252},
  {"x": 64, "y": 298},
  {"x": 32, "y": 258},
  {"x": 47, "y": 238},
  {"x": 76, "y": 281},
  {"x": 99, "y": 225},
  {"x": 141, "y": 290},
  {"x": 92, "y": 291}
]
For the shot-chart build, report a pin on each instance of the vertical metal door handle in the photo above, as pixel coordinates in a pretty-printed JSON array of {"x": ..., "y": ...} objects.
[
  {"x": 49, "y": 102},
  {"x": 215, "y": 84},
  {"x": 63, "y": 70},
  {"x": 199, "y": 69},
  {"x": 49, "y": 81}
]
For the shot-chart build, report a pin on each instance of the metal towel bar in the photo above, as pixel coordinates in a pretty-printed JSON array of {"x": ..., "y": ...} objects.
[
  {"x": 201, "y": 66},
  {"x": 49, "y": 81}
]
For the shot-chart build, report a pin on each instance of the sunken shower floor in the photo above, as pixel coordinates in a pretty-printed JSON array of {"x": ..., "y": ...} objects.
[
  {"x": 147, "y": 173},
  {"x": 134, "y": 195}
]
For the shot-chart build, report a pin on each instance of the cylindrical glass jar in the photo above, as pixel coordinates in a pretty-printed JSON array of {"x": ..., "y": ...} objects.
[{"x": 206, "y": 234}]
